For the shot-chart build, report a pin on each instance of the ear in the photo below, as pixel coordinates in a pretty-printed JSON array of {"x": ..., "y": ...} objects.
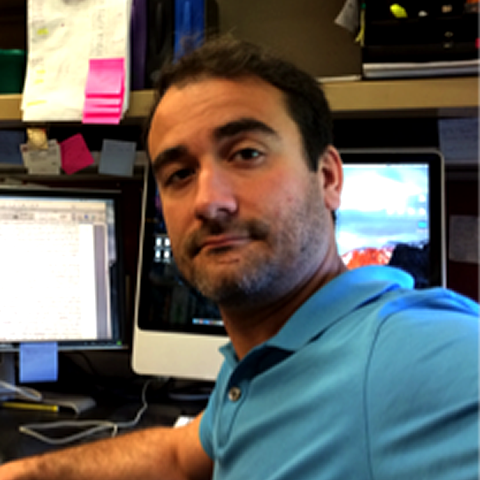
[{"x": 330, "y": 176}]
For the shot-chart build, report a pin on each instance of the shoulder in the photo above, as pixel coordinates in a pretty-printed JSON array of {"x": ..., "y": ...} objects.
[
  {"x": 421, "y": 387},
  {"x": 423, "y": 318},
  {"x": 424, "y": 335}
]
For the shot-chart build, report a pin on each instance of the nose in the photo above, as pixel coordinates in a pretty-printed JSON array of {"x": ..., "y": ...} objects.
[{"x": 215, "y": 197}]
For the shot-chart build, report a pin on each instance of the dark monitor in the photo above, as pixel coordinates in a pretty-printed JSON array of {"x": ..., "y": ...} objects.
[
  {"x": 61, "y": 275},
  {"x": 392, "y": 211}
]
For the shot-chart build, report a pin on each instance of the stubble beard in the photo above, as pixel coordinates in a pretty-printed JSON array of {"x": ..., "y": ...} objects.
[{"x": 274, "y": 262}]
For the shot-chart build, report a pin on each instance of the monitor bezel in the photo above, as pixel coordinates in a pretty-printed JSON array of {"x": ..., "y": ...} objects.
[{"x": 118, "y": 340}]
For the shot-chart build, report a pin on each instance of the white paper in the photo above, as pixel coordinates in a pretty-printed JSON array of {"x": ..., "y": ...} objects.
[
  {"x": 42, "y": 161},
  {"x": 464, "y": 239},
  {"x": 458, "y": 138},
  {"x": 62, "y": 37},
  {"x": 349, "y": 16}
]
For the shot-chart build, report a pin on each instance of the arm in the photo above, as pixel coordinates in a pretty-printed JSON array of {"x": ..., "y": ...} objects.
[{"x": 155, "y": 453}]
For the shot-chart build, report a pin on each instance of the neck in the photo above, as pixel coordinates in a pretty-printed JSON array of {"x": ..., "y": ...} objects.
[{"x": 250, "y": 326}]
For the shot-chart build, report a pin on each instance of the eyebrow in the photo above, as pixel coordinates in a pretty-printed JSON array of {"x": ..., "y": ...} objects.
[
  {"x": 169, "y": 155},
  {"x": 230, "y": 129},
  {"x": 242, "y": 125}
]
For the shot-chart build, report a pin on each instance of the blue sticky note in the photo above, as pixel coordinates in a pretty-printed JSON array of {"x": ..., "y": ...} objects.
[
  {"x": 117, "y": 158},
  {"x": 38, "y": 362},
  {"x": 10, "y": 141}
]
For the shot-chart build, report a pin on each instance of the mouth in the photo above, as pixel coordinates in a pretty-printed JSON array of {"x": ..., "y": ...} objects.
[
  {"x": 216, "y": 239},
  {"x": 222, "y": 243}
]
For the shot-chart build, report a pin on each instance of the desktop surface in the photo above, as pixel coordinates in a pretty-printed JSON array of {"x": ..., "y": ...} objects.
[{"x": 163, "y": 410}]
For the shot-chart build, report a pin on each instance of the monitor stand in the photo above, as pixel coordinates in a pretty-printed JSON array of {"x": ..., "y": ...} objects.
[
  {"x": 7, "y": 375},
  {"x": 73, "y": 402}
]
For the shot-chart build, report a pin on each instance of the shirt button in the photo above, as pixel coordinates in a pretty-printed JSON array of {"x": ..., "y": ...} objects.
[{"x": 234, "y": 394}]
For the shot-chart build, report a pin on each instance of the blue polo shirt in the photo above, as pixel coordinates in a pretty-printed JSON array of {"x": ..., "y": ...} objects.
[{"x": 369, "y": 379}]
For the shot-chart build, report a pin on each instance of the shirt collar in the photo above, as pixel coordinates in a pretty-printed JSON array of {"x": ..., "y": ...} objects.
[{"x": 340, "y": 296}]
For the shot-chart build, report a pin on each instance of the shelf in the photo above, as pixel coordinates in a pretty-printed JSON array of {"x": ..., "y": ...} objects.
[
  {"x": 11, "y": 115},
  {"x": 454, "y": 96},
  {"x": 434, "y": 97}
]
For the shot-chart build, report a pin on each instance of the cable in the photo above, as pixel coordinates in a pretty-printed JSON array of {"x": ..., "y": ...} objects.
[
  {"x": 132, "y": 423},
  {"x": 24, "y": 392},
  {"x": 94, "y": 426}
]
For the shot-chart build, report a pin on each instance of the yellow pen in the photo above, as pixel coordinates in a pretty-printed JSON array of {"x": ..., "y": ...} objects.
[{"x": 30, "y": 406}]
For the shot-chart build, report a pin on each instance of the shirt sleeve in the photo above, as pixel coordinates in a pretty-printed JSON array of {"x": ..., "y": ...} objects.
[
  {"x": 206, "y": 427},
  {"x": 207, "y": 424}
]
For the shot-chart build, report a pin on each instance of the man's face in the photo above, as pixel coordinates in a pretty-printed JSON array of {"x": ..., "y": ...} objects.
[{"x": 246, "y": 217}]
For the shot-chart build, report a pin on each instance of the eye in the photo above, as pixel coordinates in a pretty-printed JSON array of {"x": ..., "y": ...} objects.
[
  {"x": 247, "y": 154},
  {"x": 178, "y": 176}
]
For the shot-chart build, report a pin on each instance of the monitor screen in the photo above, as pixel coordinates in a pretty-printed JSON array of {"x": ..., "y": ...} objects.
[
  {"x": 61, "y": 277},
  {"x": 391, "y": 213}
]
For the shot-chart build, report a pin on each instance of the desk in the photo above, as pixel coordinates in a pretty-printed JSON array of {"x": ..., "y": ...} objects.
[{"x": 14, "y": 444}]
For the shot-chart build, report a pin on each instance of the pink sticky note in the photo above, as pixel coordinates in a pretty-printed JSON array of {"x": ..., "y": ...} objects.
[
  {"x": 105, "y": 77},
  {"x": 101, "y": 118},
  {"x": 75, "y": 154},
  {"x": 104, "y": 102},
  {"x": 91, "y": 108}
]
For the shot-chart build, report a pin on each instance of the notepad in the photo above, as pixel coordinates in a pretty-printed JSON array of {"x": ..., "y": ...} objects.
[
  {"x": 117, "y": 158},
  {"x": 38, "y": 362},
  {"x": 75, "y": 154},
  {"x": 104, "y": 91}
]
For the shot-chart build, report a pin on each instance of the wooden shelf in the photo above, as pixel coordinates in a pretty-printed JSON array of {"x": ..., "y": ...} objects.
[
  {"x": 11, "y": 114},
  {"x": 434, "y": 96},
  {"x": 454, "y": 96}
]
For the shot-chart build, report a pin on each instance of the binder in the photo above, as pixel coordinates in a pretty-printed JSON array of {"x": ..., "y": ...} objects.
[
  {"x": 138, "y": 44},
  {"x": 195, "y": 20},
  {"x": 159, "y": 38},
  {"x": 170, "y": 29}
]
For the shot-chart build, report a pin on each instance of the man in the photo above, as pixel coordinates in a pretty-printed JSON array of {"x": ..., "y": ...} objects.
[{"x": 330, "y": 374}]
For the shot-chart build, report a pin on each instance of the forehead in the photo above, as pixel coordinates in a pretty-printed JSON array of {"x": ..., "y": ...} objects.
[{"x": 211, "y": 102}]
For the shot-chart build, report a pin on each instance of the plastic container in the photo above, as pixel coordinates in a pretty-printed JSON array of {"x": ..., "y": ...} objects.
[{"x": 12, "y": 70}]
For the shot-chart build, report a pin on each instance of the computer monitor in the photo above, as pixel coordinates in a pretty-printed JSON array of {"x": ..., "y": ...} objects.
[
  {"x": 177, "y": 331},
  {"x": 391, "y": 212},
  {"x": 61, "y": 274}
]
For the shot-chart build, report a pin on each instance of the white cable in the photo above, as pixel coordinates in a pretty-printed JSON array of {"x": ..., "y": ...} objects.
[
  {"x": 23, "y": 392},
  {"x": 94, "y": 426}
]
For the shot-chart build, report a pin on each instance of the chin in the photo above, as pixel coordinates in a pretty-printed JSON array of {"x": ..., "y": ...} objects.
[{"x": 235, "y": 287}]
